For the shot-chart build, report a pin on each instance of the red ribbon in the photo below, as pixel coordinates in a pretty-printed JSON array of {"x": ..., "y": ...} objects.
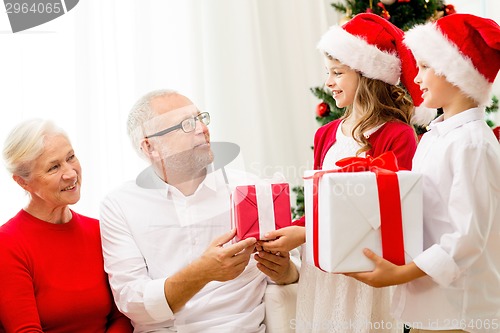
[{"x": 391, "y": 225}]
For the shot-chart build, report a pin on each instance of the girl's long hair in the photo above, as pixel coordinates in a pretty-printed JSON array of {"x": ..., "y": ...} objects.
[{"x": 378, "y": 102}]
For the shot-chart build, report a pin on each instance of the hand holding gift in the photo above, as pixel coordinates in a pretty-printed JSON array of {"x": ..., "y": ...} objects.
[
  {"x": 284, "y": 239},
  {"x": 222, "y": 261},
  {"x": 386, "y": 273}
]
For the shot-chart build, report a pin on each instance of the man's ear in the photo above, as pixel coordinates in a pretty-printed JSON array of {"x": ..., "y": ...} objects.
[
  {"x": 21, "y": 181},
  {"x": 149, "y": 150}
]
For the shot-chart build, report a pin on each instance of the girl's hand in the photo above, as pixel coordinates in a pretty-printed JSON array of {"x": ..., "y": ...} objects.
[{"x": 284, "y": 239}]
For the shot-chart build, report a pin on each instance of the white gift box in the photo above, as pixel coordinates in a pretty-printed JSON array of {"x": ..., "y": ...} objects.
[{"x": 349, "y": 219}]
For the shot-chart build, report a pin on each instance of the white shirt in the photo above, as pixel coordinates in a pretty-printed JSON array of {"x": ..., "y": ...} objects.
[
  {"x": 148, "y": 234},
  {"x": 345, "y": 146},
  {"x": 459, "y": 159}
]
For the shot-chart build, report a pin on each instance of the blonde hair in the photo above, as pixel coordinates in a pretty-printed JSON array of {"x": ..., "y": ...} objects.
[
  {"x": 25, "y": 143},
  {"x": 378, "y": 102}
]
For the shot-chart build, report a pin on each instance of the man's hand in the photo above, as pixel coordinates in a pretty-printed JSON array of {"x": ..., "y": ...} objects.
[
  {"x": 386, "y": 273},
  {"x": 285, "y": 239},
  {"x": 277, "y": 266},
  {"x": 217, "y": 263},
  {"x": 223, "y": 263}
]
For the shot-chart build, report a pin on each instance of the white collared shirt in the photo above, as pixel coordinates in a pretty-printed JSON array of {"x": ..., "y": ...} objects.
[
  {"x": 148, "y": 234},
  {"x": 459, "y": 159}
]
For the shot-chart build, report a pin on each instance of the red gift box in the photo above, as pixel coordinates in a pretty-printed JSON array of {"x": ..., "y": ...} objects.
[{"x": 258, "y": 209}]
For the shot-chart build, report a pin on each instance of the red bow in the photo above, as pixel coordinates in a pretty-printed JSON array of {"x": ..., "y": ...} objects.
[{"x": 386, "y": 161}]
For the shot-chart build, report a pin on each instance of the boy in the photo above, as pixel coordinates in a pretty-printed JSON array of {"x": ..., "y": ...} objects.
[{"x": 454, "y": 285}]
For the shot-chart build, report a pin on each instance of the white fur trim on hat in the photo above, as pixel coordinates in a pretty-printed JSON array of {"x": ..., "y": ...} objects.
[
  {"x": 428, "y": 44},
  {"x": 358, "y": 54}
]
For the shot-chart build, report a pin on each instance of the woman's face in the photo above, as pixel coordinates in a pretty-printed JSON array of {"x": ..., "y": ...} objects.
[
  {"x": 342, "y": 81},
  {"x": 56, "y": 175}
]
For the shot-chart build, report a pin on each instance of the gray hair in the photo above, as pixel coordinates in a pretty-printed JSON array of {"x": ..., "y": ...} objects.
[
  {"x": 140, "y": 113},
  {"x": 25, "y": 143}
]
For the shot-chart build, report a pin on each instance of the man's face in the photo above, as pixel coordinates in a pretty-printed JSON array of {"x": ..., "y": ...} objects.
[{"x": 180, "y": 151}]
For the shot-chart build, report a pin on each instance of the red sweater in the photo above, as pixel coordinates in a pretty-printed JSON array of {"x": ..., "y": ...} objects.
[
  {"x": 392, "y": 136},
  {"x": 52, "y": 278},
  {"x": 395, "y": 136}
]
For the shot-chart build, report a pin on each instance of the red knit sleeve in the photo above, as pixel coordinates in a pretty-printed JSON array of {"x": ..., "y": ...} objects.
[
  {"x": 397, "y": 137},
  {"x": 404, "y": 147},
  {"x": 324, "y": 138},
  {"x": 18, "y": 309},
  {"x": 301, "y": 222}
]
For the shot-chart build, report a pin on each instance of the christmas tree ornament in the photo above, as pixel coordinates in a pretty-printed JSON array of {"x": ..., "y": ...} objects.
[
  {"x": 388, "y": 2},
  {"x": 385, "y": 14},
  {"x": 403, "y": 0},
  {"x": 346, "y": 18},
  {"x": 322, "y": 110},
  {"x": 370, "y": 8},
  {"x": 449, "y": 9}
]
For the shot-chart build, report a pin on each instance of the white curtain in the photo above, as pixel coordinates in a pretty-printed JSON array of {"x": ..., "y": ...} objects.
[{"x": 250, "y": 63}]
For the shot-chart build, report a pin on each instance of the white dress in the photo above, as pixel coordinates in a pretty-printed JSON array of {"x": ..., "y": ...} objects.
[{"x": 329, "y": 302}]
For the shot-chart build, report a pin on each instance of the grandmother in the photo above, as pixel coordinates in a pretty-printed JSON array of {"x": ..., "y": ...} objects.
[{"x": 51, "y": 275}]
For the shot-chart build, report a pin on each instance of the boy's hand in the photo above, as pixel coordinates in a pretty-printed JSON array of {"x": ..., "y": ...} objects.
[{"x": 386, "y": 273}]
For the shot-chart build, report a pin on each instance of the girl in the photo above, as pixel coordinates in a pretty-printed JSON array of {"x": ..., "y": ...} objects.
[{"x": 364, "y": 61}]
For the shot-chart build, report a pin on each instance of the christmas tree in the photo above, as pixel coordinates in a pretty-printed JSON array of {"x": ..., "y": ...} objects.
[
  {"x": 402, "y": 13},
  {"x": 490, "y": 110}
]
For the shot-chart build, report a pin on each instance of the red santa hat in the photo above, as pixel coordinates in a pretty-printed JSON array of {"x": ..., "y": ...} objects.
[
  {"x": 462, "y": 47},
  {"x": 374, "y": 47}
]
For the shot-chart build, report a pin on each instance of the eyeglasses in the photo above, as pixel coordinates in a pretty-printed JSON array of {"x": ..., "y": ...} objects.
[{"x": 187, "y": 125}]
